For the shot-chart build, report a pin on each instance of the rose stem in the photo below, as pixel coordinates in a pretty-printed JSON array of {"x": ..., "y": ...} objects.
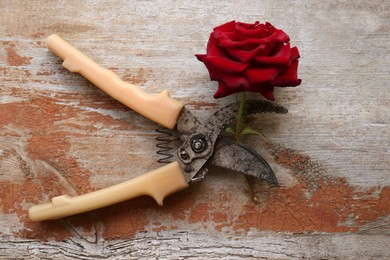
[
  {"x": 240, "y": 119},
  {"x": 240, "y": 116}
]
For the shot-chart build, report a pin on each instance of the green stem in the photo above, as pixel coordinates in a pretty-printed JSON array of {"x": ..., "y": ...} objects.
[
  {"x": 239, "y": 128},
  {"x": 250, "y": 180},
  {"x": 240, "y": 117}
]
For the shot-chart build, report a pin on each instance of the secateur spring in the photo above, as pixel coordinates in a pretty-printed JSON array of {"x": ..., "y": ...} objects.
[{"x": 166, "y": 137}]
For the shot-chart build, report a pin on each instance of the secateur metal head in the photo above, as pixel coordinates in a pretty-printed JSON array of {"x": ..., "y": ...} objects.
[{"x": 200, "y": 142}]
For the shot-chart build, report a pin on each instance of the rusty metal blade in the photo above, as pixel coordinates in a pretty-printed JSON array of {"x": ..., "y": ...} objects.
[{"x": 239, "y": 157}]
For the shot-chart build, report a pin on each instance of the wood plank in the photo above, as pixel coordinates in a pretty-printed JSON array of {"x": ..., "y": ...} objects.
[
  {"x": 59, "y": 134},
  {"x": 184, "y": 245}
]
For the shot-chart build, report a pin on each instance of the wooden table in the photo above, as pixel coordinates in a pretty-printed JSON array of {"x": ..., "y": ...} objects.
[{"x": 61, "y": 135}]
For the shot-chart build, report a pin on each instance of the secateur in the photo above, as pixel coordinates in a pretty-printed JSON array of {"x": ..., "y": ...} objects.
[{"x": 200, "y": 142}]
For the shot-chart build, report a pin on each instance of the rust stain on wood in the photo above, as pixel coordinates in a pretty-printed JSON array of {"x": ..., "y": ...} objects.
[
  {"x": 47, "y": 142},
  {"x": 317, "y": 203},
  {"x": 201, "y": 105},
  {"x": 15, "y": 59},
  {"x": 37, "y": 35},
  {"x": 199, "y": 213},
  {"x": 137, "y": 78}
]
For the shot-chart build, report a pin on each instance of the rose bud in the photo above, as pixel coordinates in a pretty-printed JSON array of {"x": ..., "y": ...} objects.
[{"x": 250, "y": 57}]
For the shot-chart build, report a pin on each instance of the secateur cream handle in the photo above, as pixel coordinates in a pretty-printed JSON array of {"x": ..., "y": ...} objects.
[
  {"x": 157, "y": 184},
  {"x": 161, "y": 108}
]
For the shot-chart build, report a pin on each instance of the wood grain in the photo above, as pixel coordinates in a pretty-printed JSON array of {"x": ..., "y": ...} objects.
[
  {"x": 186, "y": 245},
  {"x": 60, "y": 134}
]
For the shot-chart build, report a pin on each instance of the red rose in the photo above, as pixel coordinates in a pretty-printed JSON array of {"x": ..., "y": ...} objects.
[{"x": 250, "y": 57}]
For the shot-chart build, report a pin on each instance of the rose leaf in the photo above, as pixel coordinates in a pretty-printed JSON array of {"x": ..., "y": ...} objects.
[{"x": 230, "y": 130}]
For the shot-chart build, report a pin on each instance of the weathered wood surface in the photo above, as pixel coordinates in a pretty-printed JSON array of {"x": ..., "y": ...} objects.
[{"x": 59, "y": 134}]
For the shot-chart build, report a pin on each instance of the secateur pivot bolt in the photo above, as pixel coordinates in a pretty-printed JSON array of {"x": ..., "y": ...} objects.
[{"x": 198, "y": 143}]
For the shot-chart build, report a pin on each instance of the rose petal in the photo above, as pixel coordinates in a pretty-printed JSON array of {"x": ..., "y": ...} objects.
[
  {"x": 201, "y": 57},
  {"x": 236, "y": 81},
  {"x": 261, "y": 75},
  {"x": 216, "y": 50},
  {"x": 210, "y": 43},
  {"x": 280, "y": 34},
  {"x": 266, "y": 90},
  {"x": 226, "y": 27},
  {"x": 231, "y": 79},
  {"x": 269, "y": 48},
  {"x": 225, "y": 65},
  {"x": 247, "y": 26},
  {"x": 245, "y": 56},
  {"x": 228, "y": 42},
  {"x": 288, "y": 77},
  {"x": 282, "y": 57},
  {"x": 223, "y": 90},
  {"x": 245, "y": 31},
  {"x": 294, "y": 54}
]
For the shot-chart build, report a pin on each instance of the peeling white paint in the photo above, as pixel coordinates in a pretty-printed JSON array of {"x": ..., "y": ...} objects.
[
  {"x": 10, "y": 224},
  {"x": 11, "y": 99}
]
